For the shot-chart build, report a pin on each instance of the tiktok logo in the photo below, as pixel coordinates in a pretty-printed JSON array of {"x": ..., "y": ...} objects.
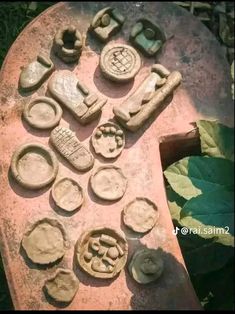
[{"x": 175, "y": 231}]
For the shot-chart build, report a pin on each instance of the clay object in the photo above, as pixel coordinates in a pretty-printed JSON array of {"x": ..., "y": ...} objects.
[
  {"x": 70, "y": 92},
  {"x": 102, "y": 252},
  {"x": 106, "y": 23},
  {"x": 108, "y": 182},
  {"x": 147, "y": 37},
  {"x": 119, "y": 62},
  {"x": 148, "y": 97},
  {"x": 34, "y": 166},
  {"x": 146, "y": 265},
  {"x": 67, "y": 44},
  {"x": 68, "y": 145},
  {"x": 42, "y": 113},
  {"x": 108, "y": 140},
  {"x": 140, "y": 215},
  {"x": 63, "y": 286},
  {"x": 45, "y": 242},
  {"x": 34, "y": 74},
  {"x": 67, "y": 194}
]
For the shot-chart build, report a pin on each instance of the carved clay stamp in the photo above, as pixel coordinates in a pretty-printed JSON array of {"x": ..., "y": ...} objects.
[
  {"x": 146, "y": 265},
  {"x": 85, "y": 105},
  {"x": 106, "y": 22},
  {"x": 119, "y": 62},
  {"x": 34, "y": 166},
  {"x": 108, "y": 182},
  {"x": 102, "y": 252},
  {"x": 108, "y": 140},
  {"x": 67, "y": 44},
  {"x": 45, "y": 242},
  {"x": 67, "y": 194},
  {"x": 42, "y": 113},
  {"x": 34, "y": 74},
  {"x": 63, "y": 286},
  {"x": 148, "y": 97},
  {"x": 147, "y": 36},
  {"x": 140, "y": 215},
  {"x": 68, "y": 145}
]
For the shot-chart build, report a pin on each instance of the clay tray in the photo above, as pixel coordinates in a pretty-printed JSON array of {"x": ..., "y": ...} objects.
[{"x": 204, "y": 92}]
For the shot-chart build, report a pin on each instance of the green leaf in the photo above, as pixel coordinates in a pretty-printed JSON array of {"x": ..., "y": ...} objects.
[{"x": 175, "y": 203}]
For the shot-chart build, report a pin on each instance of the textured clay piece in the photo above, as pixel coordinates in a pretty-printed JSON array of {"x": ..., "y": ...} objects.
[
  {"x": 108, "y": 140},
  {"x": 147, "y": 37},
  {"x": 108, "y": 182},
  {"x": 42, "y": 113},
  {"x": 149, "y": 96},
  {"x": 34, "y": 166},
  {"x": 146, "y": 265},
  {"x": 33, "y": 75},
  {"x": 102, "y": 252},
  {"x": 67, "y": 44},
  {"x": 106, "y": 22},
  {"x": 85, "y": 105},
  {"x": 140, "y": 215},
  {"x": 45, "y": 242},
  {"x": 68, "y": 145},
  {"x": 67, "y": 194},
  {"x": 119, "y": 62},
  {"x": 63, "y": 286}
]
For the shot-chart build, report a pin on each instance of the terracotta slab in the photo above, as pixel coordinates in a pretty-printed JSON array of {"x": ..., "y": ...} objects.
[{"x": 205, "y": 92}]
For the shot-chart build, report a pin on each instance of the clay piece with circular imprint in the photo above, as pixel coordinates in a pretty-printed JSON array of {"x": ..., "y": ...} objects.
[
  {"x": 67, "y": 194},
  {"x": 45, "y": 242},
  {"x": 42, "y": 113},
  {"x": 102, "y": 252},
  {"x": 63, "y": 286},
  {"x": 67, "y": 44},
  {"x": 68, "y": 145},
  {"x": 108, "y": 182},
  {"x": 119, "y": 62},
  {"x": 34, "y": 166},
  {"x": 34, "y": 74},
  {"x": 108, "y": 140},
  {"x": 146, "y": 265},
  {"x": 140, "y": 215}
]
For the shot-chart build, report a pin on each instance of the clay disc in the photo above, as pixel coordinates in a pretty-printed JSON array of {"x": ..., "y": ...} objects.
[
  {"x": 140, "y": 215},
  {"x": 34, "y": 165},
  {"x": 67, "y": 194},
  {"x": 108, "y": 182}
]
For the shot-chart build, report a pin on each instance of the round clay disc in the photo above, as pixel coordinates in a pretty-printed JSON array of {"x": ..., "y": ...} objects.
[
  {"x": 67, "y": 194},
  {"x": 108, "y": 182},
  {"x": 119, "y": 62},
  {"x": 140, "y": 215},
  {"x": 33, "y": 165},
  {"x": 108, "y": 140}
]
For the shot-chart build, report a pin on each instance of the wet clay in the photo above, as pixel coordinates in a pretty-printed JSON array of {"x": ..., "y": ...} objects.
[
  {"x": 102, "y": 252},
  {"x": 34, "y": 74},
  {"x": 108, "y": 140},
  {"x": 42, "y": 113},
  {"x": 119, "y": 62},
  {"x": 67, "y": 194},
  {"x": 140, "y": 215},
  {"x": 34, "y": 166},
  {"x": 68, "y": 145},
  {"x": 70, "y": 92},
  {"x": 108, "y": 182}
]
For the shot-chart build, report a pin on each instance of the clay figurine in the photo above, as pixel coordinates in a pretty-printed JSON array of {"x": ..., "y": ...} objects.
[
  {"x": 68, "y": 145},
  {"x": 70, "y": 92},
  {"x": 119, "y": 62},
  {"x": 34, "y": 74},
  {"x": 148, "y": 97},
  {"x": 34, "y": 166},
  {"x": 106, "y": 23},
  {"x": 108, "y": 140},
  {"x": 102, "y": 252}
]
